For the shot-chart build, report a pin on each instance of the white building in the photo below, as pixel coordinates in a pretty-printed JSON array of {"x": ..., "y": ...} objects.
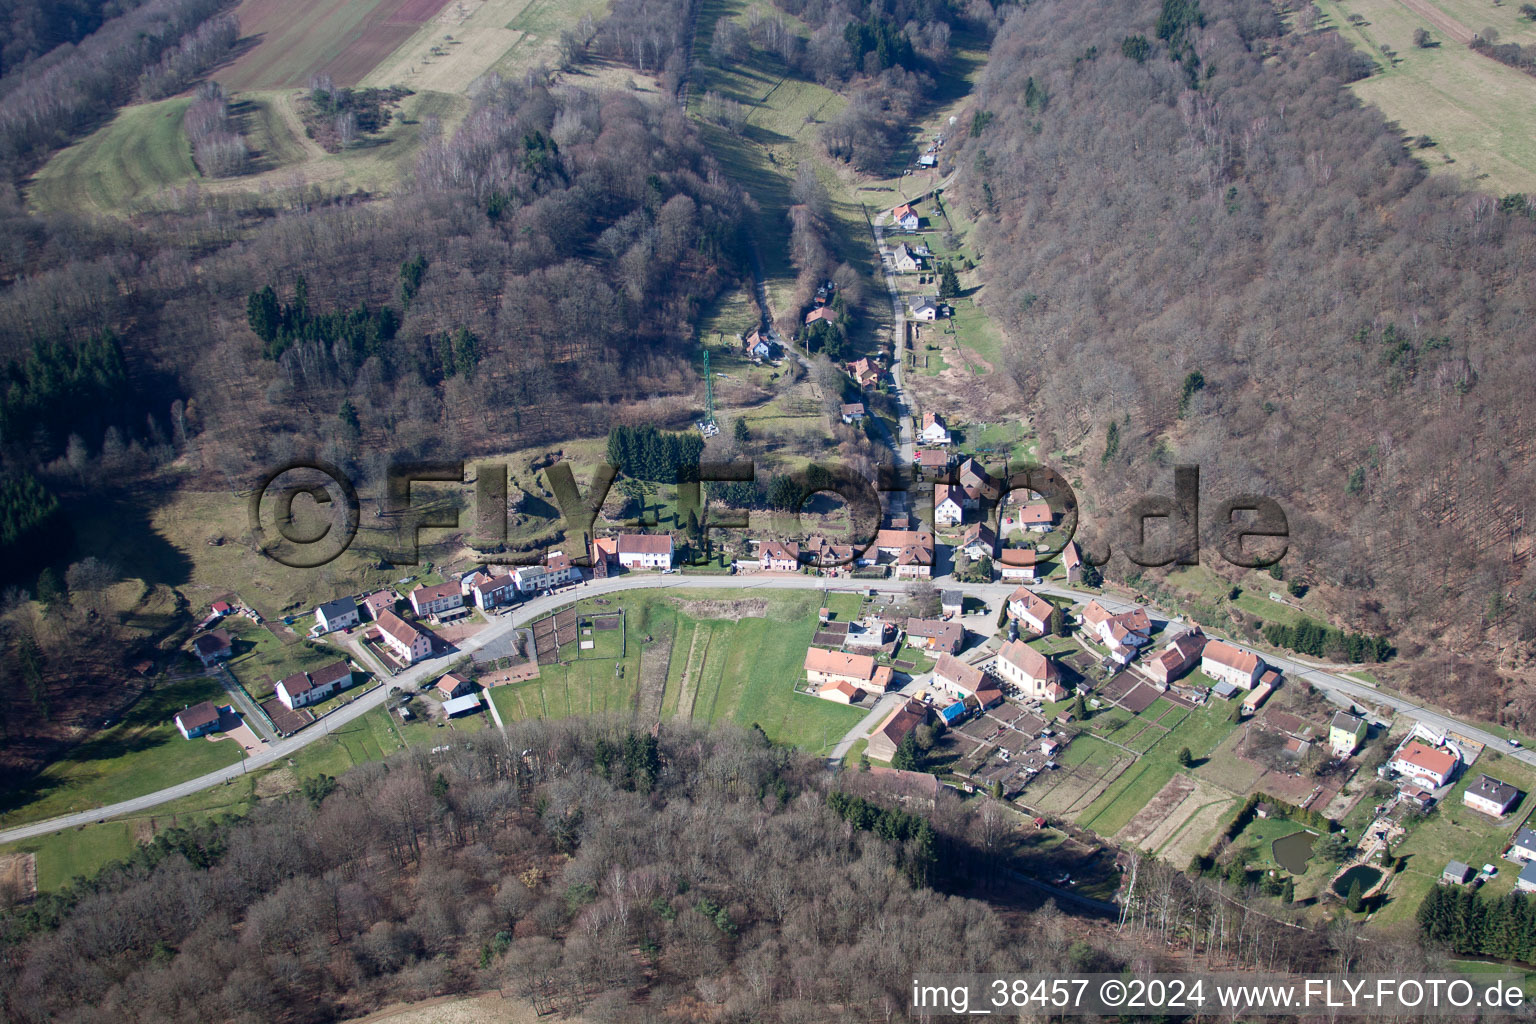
[
  {"x": 1226, "y": 663},
  {"x": 1032, "y": 672},
  {"x": 1490, "y": 796},
  {"x": 435, "y": 600},
  {"x": 1031, "y": 609},
  {"x": 305, "y": 688},
  {"x": 341, "y": 613},
  {"x": 408, "y": 643},
  {"x": 934, "y": 431},
  {"x": 1419, "y": 761},
  {"x": 645, "y": 550},
  {"x": 948, "y": 510},
  {"x": 492, "y": 592}
]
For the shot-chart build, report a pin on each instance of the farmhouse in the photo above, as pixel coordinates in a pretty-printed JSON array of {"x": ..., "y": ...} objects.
[
  {"x": 1032, "y": 672},
  {"x": 1490, "y": 796},
  {"x": 1017, "y": 565},
  {"x": 906, "y": 216},
  {"x": 305, "y": 688},
  {"x": 212, "y": 647},
  {"x": 1226, "y": 663},
  {"x": 438, "y": 600},
  {"x": 911, "y": 551},
  {"x": 1037, "y": 517},
  {"x": 978, "y": 483},
  {"x": 338, "y": 614},
  {"x": 1345, "y": 733},
  {"x": 866, "y": 372},
  {"x": 492, "y": 593},
  {"x": 935, "y": 635},
  {"x": 756, "y": 346},
  {"x": 199, "y": 720},
  {"x": 1418, "y": 761},
  {"x": 934, "y": 431},
  {"x": 935, "y": 459},
  {"x": 898, "y": 725},
  {"x": 853, "y": 412},
  {"x": 1178, "y": 657},
  {"x": 956, "y": 677},
  {"x": 926, "y": 307},
  {"x": 454, "y": 685},
  {"x": 1130, "y": 629},
  {"x": 408, "y": 643},
  {"x": 1031, "y": 609},
  {"x": 645, "y": 550},
  {"x": 824, "y": 667}
]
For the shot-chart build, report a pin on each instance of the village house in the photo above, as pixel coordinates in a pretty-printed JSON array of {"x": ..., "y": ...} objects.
[
  {"x": 910, "y": 551},
  {"x": 1033, "y": 673},
  {"x": 1018, "y": 565},
  {"x": 444, "y": 598},
  {"x": 934, "y": 431},
  {"x": 1491, "y": 796},
  {"x": 199, "y": 719},
  {"x": 865, "y": 372},
  {"x": 561, "y": 569},
  {"x": 1524, "y": 845},
  {"x": 976, "y": 480},
  {"x": 841, "y": 692},
  {"x": 1226, "y": 663},
  {"x": 645, "y": 550},
  {"x": 1178, "y": 657},
  {"x": 947, "y": 509},
  {"x": 469, "y": 579},
  {"x": 904, "y": 260},
  {"x": 906, "y": 217},
  {"x": 380, "y": 600},
  {"x": 933, "y": 460},
  {"x": 1346, "y": 732},
  {"x": 853, "y": 412},
  {"x": 405, "y": 641},
  {"x": 1037, "y": 517},
  {"x": 756, "y": 346},
  {"x": 817, "y": 550},
  {"x": 925, "y": 307},
  {"x": 819, "y": 314},
  {"x": 952, "y": 603},
  {"x": 305, "y": 688},
  {"x": 213, "y": 647},
  {"x": 1132, "y": 629},
  {"x": 1417, "y": 760},
  {"x": 1072, "y": 562},
  {"x": 454, "y": 685},
  {"x": 979, "y": 541},
  {"x": 955, "y": 677},
  {"x": 338, "y": 614},
  {"x": 493, "y": 592},
  {"x": 898, "y": 725},
  {"x": 935, "y": 635},
  {"x": 824, "y": 667},
  {"x": 777, "y": 556},
  {"x": 1032, "y": 610}
]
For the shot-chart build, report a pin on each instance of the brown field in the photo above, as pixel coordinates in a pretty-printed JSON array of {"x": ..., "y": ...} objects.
[
  {"x": 1160, "y": 808},
  {"x": 1194, "y": 836},
  {"x": 298, "y": 38},
  {"x": 18, "y": 875},
  {"x": 1073, "y": 789},
  {"x": 481, "y": 1009}
]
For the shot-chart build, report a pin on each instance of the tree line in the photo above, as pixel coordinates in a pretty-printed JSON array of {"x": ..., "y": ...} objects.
[
  {"x": 662, "y": 456},
  {"x": 1461, "y": 918}
]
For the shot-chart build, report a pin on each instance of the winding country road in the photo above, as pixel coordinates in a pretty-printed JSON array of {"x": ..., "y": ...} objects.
[{"x": 1328, "y": 681}]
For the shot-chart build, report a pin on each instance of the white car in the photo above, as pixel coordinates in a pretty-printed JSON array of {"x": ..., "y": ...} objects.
[{"x": 1513, "y": 743}]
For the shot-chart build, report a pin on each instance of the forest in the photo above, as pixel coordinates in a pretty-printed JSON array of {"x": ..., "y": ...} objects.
[
  {"x": 591, "y": 870},
  {"x": 1171, "y": 188}
]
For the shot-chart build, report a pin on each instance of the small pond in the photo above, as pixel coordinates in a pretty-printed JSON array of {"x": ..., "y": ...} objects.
[
  {"x": 1293, "y": 851},
  {"x": 1366, "y": 875}
]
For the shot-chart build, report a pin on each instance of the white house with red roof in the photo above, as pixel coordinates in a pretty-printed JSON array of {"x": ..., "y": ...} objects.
[
  {"x": 906, "y": 217},
  {"x": 1032, "y": 610},
  {"x": 778, "y": 556},
  {"x": 934, "y": 431},
  {"x": 1227, "y": 663},
  {"x": 1417, "y": 760},
  {"x": 948, "y": 505},
  {"x": 645, "y": 550},
  {"x": 435, "y": 600},
  {"x": 408, "y": 644},
  {"x": 1072, "y": 562}
]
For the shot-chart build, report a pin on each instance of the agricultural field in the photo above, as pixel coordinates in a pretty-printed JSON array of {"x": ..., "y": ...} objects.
[
  {"x": 1474, "y": 109},
  {"x": 137, "y": 154},
  {"x": 140, "y": 754},
  {"x": 295, "y": 39}
]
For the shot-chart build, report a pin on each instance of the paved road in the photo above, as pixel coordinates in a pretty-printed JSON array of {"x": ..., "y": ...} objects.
[{"x": 1328, "y": 681}]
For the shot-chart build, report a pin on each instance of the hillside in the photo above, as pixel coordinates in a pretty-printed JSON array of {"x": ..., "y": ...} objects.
[{"x": 1183, "y": 189}]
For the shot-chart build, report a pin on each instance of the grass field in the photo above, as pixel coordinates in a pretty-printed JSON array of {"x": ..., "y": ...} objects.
[
  {"x": 1475, "y": 109},
  {"x": 138, "y": 755},
  {"x": 261, "y": 659},
  {"x": 139, "y": 152}
]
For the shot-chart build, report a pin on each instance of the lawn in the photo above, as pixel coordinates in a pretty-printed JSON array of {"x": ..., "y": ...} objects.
[
  {"x": 1474, "y": 108},
  {"x": 139, "y": 152},
  {"x": 141, "y": 754},
  {"x": 261, "y": 659}
]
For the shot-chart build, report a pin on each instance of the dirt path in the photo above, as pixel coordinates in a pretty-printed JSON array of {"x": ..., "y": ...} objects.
[
  {"x": 1444, "y": 22},
  {"x": 690, "y": 680},
  {"x": 655, "y": 662}
]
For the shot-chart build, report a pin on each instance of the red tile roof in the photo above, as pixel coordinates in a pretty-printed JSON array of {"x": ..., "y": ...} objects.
[
  {"x": 1024, "y": 657},
  {"x": 398, "y": 628},
  {"x": 644, "y": 544},
  {"x": 424, "y": 594},
  {"x": 1223, "y": 653},
  {"x": 857, "y": 666}
]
